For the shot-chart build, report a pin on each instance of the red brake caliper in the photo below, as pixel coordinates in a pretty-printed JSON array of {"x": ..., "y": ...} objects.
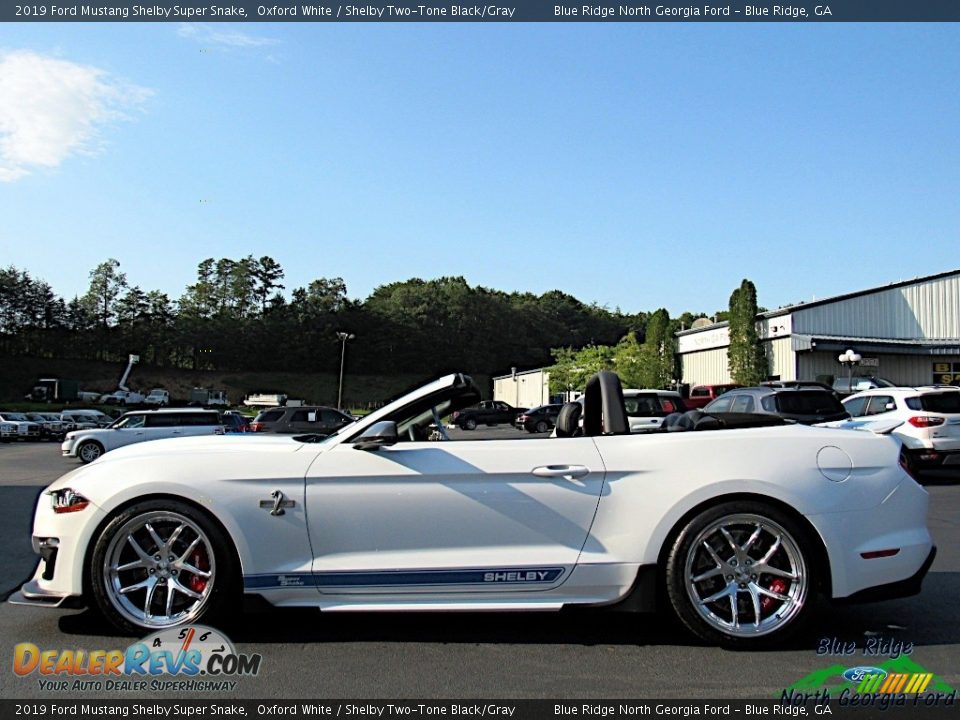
[
  {"x": 200, "y": 562},
  {"x": 778, "y": 586}
]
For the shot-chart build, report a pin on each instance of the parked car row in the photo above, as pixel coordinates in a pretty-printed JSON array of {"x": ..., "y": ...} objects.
[
  {"x": 90, "y": 442},
  {"x": 926, "y": 419},
  {"x": 140, "y": 426},
  {"x": 17, "y": 426}
]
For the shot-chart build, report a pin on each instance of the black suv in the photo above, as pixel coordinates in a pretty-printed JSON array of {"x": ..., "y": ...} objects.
[
  {"x": 804, "y": 405},
  {"x": 488, "y": 412},
  {"x": 319, "y": 420}
]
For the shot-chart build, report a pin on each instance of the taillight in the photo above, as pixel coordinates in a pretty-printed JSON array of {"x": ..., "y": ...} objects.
[
  {"x": 256, "y": 427},
  {"x": 925, "y": 421}
]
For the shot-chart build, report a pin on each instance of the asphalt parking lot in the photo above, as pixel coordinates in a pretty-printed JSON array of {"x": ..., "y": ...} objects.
[{"x": 577, "y": 654}]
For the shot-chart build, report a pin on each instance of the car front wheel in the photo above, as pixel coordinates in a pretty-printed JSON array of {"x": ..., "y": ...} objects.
[
  {"x": 161, "y": 563},
  {"x": 742, "y": 574},
  {"x": 89, "y": 451}
]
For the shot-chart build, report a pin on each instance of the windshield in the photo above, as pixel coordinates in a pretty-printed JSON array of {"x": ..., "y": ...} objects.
[
  {"x": 413, "y": 417},
  {"x": 15, "y": 416}
]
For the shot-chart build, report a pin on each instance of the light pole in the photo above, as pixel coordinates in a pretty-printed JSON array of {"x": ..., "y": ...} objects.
[
  {"x": 344, "y": 336},
  {"x": 849, "y": 358}
]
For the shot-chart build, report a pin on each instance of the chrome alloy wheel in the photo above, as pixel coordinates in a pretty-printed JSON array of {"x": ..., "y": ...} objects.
[
  {"x": 159, "y": 569},
  {"x": 746, "y": 576}
]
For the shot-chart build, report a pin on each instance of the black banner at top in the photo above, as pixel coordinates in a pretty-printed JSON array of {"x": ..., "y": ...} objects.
[{"x": 504, "y": 11}]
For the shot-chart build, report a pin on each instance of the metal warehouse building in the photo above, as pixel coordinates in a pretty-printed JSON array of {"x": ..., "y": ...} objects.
[
  {"x": 907, "y": 332},
  {"x": 523, "y": 389}
]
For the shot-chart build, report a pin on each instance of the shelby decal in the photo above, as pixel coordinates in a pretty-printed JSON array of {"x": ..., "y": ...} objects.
[{"x": 520, "y": 576}]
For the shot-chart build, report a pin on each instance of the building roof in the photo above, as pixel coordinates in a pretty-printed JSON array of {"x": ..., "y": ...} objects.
[{"x": 786, "y": 309}]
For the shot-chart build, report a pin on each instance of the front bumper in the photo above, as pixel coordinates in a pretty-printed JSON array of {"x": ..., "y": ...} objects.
[
  {"x": 32, "y": 594},
  {"x": 61, "y": 541}
]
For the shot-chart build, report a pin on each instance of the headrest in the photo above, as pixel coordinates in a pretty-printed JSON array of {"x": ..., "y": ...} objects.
[
  {"x": 605, "y": 413},
  {"x": 568, "y": 421}
]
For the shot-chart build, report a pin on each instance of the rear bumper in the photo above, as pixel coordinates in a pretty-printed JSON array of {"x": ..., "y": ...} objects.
[
  {"x": 932, "y": 459},
  {"x": 890, "y": 591},
  {"x": 858, "y": 542}
]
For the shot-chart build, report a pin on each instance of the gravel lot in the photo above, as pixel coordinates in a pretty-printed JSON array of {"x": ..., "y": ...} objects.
[{"x": 577, "y": 654}]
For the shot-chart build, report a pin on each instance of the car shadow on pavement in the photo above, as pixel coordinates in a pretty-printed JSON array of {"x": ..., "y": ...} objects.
[{"x": 916, "y": 620}]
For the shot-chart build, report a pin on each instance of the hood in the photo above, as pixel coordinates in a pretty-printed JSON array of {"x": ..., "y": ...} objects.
[{"x": 207, "y": 444}]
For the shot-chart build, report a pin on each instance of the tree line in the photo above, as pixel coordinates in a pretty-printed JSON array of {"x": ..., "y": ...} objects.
[{"x": 236, "y": 317}]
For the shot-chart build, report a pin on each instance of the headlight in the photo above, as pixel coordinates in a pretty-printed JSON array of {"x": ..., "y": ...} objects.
[{"x": 67, "y": 501}]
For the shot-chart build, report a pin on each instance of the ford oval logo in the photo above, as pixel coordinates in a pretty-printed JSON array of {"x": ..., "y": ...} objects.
[{"x": 856, "y": 674}]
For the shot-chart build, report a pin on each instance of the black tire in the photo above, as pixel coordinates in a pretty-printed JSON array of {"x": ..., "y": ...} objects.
[
  {"x": 542, "y": 426},
  {"x": 469, "y": 424},
  {"x": 755, "y": 619},
  {"x": 219, "y": 595},
  {"x": 89, "y": 450}
]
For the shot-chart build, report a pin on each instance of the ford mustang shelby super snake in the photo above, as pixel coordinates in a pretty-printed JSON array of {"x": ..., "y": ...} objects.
[{"x": 737, "y": 529}]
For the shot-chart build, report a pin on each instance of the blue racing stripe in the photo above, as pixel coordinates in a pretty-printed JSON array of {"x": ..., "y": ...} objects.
[{"x": 406, "y": 578}]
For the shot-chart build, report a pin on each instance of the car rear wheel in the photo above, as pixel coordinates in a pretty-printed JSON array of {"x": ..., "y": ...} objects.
[
  {"x": 470, "y": 424},
  {"x": 159, "y": 564},
  {"x": 742, "y": 574},
  {"x": 89, "y": 451},
  {"x": 543, "y": 426}
]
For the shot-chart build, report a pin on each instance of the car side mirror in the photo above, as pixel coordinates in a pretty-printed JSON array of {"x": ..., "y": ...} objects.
[{"x": 377, "y": 435}]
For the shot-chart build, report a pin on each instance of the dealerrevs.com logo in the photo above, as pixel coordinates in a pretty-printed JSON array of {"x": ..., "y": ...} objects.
[{"x": 203, "y": 659}]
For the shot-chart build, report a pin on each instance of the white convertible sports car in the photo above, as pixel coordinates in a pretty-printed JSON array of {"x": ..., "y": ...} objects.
[{"x": 736, "y": 528}]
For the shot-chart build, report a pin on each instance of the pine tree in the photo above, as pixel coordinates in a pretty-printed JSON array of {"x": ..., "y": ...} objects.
[{"x": 746, "y": 358}]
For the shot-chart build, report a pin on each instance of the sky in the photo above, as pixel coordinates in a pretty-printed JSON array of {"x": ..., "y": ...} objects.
[{"x": 632, "y": 165}]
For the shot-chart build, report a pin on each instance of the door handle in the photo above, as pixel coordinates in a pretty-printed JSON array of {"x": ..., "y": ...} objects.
[{"x": 565, "y": 471}]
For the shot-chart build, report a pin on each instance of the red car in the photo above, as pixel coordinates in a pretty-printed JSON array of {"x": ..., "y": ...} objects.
[{"x": 703, "y": 395}]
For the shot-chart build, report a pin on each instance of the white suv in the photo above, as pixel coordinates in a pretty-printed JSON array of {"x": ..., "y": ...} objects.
[
  {"x": 140, "y": 426},
  {"x": 646, "y": 409},
  {"x": 930, "y": 418}
]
